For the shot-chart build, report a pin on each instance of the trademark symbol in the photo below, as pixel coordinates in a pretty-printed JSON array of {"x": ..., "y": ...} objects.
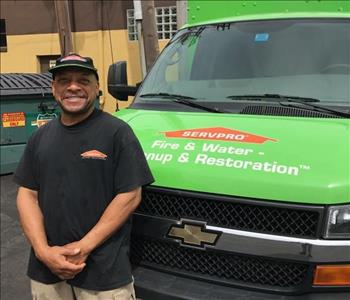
[{"x": 305, "y": 167}]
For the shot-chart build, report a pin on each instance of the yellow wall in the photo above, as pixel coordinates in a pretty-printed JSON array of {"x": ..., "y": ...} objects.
[{"x": 22, "y": 52}]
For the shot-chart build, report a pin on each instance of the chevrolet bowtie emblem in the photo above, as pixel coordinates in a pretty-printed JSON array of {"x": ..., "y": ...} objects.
[{"x": 193, "y": 234}]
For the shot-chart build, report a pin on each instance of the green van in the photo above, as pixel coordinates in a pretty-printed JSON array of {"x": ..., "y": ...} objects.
[{"x": 245, "y": 122}]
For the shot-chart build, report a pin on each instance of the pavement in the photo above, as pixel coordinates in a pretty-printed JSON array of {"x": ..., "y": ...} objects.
[{"x": 14, "y": 246}]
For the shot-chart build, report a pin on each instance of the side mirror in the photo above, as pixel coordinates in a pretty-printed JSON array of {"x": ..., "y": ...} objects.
[{"x": 118, "y": 82}]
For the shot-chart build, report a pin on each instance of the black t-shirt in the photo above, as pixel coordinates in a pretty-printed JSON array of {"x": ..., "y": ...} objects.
[{"x": 77, "y": 171}]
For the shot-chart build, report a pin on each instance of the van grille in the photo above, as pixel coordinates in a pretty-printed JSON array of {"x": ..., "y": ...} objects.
[
  {"x": 234, "y": 213},
  {"x": 224, "y": 268},
  {"x": 285, "y": 111}
]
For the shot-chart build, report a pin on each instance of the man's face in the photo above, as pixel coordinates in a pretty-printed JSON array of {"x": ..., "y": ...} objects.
[{"x": 75, "y": 90}]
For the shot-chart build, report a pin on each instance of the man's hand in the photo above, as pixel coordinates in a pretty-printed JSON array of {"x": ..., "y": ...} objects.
[
  {"x": 56, "y": 259},
  {"x": 79, "y": 257}
]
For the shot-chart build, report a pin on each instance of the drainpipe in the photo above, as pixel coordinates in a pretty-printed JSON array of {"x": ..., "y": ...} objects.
[
  {"x": 138, "y": 20},
  {"x": 181, "y": 13}
]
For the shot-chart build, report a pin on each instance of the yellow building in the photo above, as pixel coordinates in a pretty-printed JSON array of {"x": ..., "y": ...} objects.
[{"x": 103, "y": 30}]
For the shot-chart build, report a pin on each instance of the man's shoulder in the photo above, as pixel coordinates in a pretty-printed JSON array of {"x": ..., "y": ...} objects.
[
  {"x": 111, "y": 120},
  {"x": 116, "y": 127},
  {"x": 41, "y": 133},
  {"x": 45, "y": 128}
]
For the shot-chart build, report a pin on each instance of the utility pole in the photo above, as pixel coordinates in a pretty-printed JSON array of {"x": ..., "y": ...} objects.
[
  {"x": 63, "y": 26},
  {"x": 150, "y": 37},
  {"x": 181, "y": 13}
]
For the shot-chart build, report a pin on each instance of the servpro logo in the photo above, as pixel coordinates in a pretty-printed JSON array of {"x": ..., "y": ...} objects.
[{"x": 218, "y": 134}]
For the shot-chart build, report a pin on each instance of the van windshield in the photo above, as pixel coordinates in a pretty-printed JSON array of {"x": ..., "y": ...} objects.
[{"x": 307, "y": 58}]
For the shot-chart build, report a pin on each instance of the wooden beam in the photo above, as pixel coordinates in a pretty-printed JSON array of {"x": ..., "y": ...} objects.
[
  {"x": 63, "y": 26},
  {"x": 150, "y": 36}
]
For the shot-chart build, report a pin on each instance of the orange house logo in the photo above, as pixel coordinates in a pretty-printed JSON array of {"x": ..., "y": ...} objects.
[
  {"x": 93, "y": 154},
  {"x": 218, "y": 134}
]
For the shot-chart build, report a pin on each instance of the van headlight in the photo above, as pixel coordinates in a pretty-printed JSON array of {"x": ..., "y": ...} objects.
[{"x": 338, "y": 222}]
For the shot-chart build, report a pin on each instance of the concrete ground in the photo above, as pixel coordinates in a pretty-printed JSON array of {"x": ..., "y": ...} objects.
[{"x": 14, "y": 247}]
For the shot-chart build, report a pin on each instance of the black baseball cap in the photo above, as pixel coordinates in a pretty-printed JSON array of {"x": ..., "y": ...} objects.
[{"x": 74, "y": 60}]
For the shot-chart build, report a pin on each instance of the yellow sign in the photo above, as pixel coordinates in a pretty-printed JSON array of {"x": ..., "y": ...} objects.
[{"x": 13, "y": 119}]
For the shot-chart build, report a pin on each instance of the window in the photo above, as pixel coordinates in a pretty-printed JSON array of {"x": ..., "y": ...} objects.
[
  {"x": 3, "y": 40},
  {"x": 131, "y": 23},
  {"x": 46, "y": 62},
  {"x": 165, "y": 22}
]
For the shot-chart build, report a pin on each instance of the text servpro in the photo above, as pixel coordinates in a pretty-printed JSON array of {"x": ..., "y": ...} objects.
[{"x": 216, "y": 135}]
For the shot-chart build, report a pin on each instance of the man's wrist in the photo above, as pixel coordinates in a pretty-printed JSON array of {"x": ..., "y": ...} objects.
[
  {"x": 40, "y": 251},
  {"x": 87, "y": 245}
]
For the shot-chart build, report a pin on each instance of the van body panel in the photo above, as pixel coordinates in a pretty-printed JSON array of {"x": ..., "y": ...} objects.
[{"x": 290, "y": 162}]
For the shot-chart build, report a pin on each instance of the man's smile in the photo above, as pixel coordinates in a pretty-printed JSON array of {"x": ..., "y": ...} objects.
[{"x": 74, "y": 98}]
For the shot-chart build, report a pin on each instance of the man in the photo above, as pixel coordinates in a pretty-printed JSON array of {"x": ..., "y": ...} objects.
[{"x": 80, "y": 179}]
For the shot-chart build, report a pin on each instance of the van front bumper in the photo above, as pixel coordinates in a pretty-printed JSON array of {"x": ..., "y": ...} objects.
[{"x": 155, "y": 285}]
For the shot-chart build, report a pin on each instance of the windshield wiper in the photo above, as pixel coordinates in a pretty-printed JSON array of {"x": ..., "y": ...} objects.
[
  {"x": 314, "y": 107},
  {"x": 166, "y": 96},
  {"x": 272, "y": 97},
  {"x": 194, "y": 32},
  {"x": 292, "y": 101},
  {"x": 185, "y": 100}
]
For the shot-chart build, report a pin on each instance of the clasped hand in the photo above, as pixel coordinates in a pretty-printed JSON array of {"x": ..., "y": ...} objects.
[{"x": 65, "y": 261}]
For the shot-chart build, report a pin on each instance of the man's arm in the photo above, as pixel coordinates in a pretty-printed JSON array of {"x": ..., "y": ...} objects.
[
  {"x": 114, "y": 216},
  {"x": 32, "y": 221}
]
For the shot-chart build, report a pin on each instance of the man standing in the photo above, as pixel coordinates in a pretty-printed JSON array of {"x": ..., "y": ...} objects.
[{"x": 80, "y": 180}]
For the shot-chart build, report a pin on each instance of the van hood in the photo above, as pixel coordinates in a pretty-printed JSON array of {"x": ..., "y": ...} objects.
[{"x": 299, "y": 160}]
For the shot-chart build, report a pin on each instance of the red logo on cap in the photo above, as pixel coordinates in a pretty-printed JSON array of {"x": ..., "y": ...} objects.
[
  {"x": 218, "y": 133},
  {"x": 74, "y": 57}
]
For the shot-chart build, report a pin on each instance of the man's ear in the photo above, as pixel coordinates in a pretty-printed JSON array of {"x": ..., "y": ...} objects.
[{"x": 53, "y": 89}]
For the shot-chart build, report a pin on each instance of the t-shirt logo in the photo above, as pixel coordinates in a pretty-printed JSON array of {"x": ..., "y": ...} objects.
[{"x": 93, "y": 154}]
